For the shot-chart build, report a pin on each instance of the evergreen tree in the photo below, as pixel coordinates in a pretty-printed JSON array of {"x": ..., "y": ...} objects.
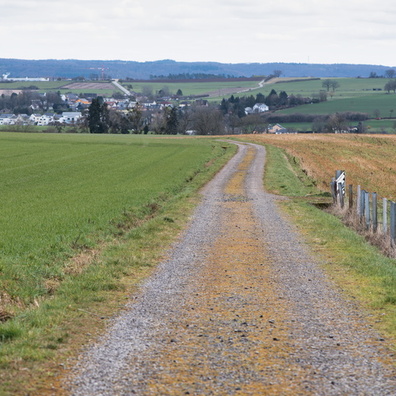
[
  {"x": 98, "y": 116},
  {"x": 171, "y": 121}
]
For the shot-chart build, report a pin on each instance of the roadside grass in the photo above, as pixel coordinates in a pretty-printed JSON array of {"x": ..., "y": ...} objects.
[
  {"x": 68, "y": 297},
  {"x": 359, "y": 269}
]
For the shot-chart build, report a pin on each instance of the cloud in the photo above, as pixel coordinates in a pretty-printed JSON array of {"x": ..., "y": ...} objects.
[{"x": 225, "y": 30}]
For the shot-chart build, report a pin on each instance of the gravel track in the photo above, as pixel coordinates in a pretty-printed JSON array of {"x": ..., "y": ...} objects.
[{"x": 241, "y": 307}]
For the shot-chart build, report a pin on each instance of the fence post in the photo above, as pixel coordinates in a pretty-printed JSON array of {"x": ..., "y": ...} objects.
[
  {"x": 350, "y": 196},
  {"x": 358, "y": 200},
  {"x": 392, "y": 222},
  {"x": 362, "y": 205},
  {"x": 333, "y": 190},
  {"x": 375, "y": 216},
  {"x": 340, "y": 191},
  {"x": 367, "y": 208},
  {"x": 385, "y": 215}
]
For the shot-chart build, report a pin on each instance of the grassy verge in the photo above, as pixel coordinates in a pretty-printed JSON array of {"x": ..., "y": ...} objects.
[
  {"x": 359, "y": 269},
  {"x": 95, "y": 284}
]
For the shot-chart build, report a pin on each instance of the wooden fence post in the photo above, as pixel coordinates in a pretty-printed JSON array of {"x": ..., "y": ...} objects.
[
  {"x": 375, "y": 218},
  {"x": 340, "y": 195},
  {"x": 367, "y": 208},
  {"x": 350, "y": 196},
  {"x": 385, "y": 215},
  {"x": 392, "y": 222},
  {"x": 358, "y": 201}
]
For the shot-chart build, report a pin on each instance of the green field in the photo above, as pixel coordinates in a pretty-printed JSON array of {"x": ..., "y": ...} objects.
[
  {"x": 62, "y": 192},
  {"x": 348, "y": 87},
  {"x": 364, "y": 104},
  {"x": 48, "y": 86},
  {"x": 193, "y": 87},
  {"x": 41, "y": 85}
]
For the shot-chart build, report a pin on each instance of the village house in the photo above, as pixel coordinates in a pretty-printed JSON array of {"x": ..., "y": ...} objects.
[
  {"x": 8, "y": 119},
  {"x": 277, "y": 128},
  {"x": 70, "y": 117},
  {"x": 257, "y": 108}
]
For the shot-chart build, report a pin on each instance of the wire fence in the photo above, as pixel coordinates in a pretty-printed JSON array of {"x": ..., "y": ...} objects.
[{"x": 373, "y": 213}]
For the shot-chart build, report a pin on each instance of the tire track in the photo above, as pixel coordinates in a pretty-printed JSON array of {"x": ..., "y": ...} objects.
[{"x": 240, "y": 308}]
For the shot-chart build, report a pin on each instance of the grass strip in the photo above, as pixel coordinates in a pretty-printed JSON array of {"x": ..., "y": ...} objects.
[
  {"x": 358, "y": 268},
  {"x": 35, "y": 344}
]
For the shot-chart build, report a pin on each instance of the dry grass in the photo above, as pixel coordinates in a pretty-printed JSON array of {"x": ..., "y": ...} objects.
[{"x": 369, "y": 161}]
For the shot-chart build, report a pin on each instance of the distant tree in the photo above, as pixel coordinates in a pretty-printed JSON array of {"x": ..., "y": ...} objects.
[
  {"x": 98, "y": 116},
  {"x": 135, "y": 117},
  {"x": 373, "y": 75},
  {"x": 390, "y": 73},
  {"x": 336, "y": 123},
  {"x": 272, "y": 99},
  {"x": 390, "y": 86},
  {"x": 172, "y": 121},
  {"x": 361, "y": 128},
  {"x": 207, "y": 120},
  {"x": 260, "y": 98},
  {"x": 179, "y": 92},
  {"x": 326, "y": 84},
  {"x": 334, "y": 85},
  {"x": 164, "y": 91},
  {"x": 277, "y": 73},
  {"x": 147, "y": 91},
  {"x": 283, "y": 98},
  {"x": 318, "y": 125},
  {"x": 377, "y": 113}
]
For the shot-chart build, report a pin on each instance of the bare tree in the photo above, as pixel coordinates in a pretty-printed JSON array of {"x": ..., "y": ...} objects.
[{"x": 207, "y": 120}]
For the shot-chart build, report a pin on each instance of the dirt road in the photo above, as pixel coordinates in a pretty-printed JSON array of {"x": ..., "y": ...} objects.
[{"x": 240, "y": 308}]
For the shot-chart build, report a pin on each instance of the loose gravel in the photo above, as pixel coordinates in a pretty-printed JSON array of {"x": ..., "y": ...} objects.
[{"x": 241, "y": 307}]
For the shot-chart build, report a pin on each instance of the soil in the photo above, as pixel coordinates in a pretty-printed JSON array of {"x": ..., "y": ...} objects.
[{"x": 240, "y": 308}]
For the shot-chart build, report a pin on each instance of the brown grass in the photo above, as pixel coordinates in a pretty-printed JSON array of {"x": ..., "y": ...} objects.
[{"x": 369, "y": 161}]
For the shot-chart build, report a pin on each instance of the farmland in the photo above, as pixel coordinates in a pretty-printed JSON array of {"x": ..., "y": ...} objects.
[
  {"x": 120, "y": 200},
  {"x": 193, "y": 87},
  {"x": 367, "y": 160},
  {"x": 62, "y": 193}
]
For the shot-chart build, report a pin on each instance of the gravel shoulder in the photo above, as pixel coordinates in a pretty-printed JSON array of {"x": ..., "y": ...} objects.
[{"x": 240, "y": 307}]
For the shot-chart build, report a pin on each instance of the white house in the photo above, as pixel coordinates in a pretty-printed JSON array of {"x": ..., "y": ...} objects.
[
  {"x": 257, "y": 108},
  {"x": 7, "y": 119},
  {"x": 70, "y": 117},
  {"x": 260, "y": 108}
]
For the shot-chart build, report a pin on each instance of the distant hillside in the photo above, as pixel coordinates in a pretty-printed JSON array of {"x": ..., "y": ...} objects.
[{"x": 143, "y": 70}]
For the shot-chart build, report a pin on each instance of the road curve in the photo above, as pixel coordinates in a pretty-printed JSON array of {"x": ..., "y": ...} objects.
[{"x": 241, "y": 307}]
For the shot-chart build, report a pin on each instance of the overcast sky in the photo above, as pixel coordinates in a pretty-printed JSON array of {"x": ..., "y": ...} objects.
[{"x": 228, "y": 31}]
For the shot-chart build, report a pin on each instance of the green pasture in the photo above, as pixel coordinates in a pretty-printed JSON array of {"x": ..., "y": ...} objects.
[
  {"x": 41, "y": 85},
  {"x": 348, "y": 87},
  {"x": 384, "y": 103},
  {"x": 47, "y": 86},
  {"x": 64, "y": 192},
  {"x": 193, "y": 87}
]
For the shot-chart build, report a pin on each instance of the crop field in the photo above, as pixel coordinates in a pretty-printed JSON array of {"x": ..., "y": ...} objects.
[
  {"x": 41, "y": 85},
  {"x": 348, "y": 87},
  {"x": 61, "y": 192},
  {"x": 384, "y": 103},
  {"x": 193, "y": 87},
  {"x": 368, "y": 160}
]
